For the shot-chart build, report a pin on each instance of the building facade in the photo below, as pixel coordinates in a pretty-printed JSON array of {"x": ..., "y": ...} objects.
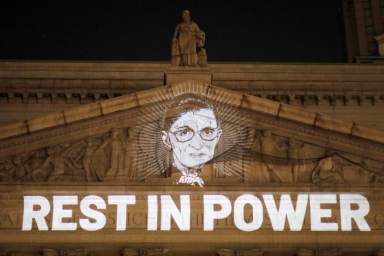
[
  {"x": 364, "y": 23},
  {"x": 190, "y": 158},
  {"x": 292, "y": 162}
]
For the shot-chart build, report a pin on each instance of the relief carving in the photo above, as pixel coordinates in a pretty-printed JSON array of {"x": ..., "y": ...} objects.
[
  {"x": 336, "y": 169},
  {"x": 242, "y": 154},
  {"x": 101, "y": 158},
  {"x": 266, "y": 159},
  {"x": 277, "y": 159}
]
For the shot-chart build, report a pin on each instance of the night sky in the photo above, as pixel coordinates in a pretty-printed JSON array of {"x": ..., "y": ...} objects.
[{"x": 251, "y": 31}]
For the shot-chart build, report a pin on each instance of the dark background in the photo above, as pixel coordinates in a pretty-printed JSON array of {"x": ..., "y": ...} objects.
[{"x": 252, "y": 31}]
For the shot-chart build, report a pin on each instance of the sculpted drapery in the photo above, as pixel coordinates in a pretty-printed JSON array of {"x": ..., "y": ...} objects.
[{"x": 187, "y": 43}]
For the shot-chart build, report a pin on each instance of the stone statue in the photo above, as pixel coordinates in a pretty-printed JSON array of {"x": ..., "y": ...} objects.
[{"x": 188, "y": 43}]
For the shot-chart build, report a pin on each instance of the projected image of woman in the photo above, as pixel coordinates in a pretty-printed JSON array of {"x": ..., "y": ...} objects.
[{"x": 191, "y": 132}]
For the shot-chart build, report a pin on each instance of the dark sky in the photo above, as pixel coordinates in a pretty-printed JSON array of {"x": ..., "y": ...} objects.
[{"x": 253, "y": 31}]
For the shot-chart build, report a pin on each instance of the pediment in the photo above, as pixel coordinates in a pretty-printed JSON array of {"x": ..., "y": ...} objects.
[{"x": 120, "y": 140}]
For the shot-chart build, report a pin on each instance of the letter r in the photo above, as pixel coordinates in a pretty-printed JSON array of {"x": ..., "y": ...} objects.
[{"x": 29, "y": 214}]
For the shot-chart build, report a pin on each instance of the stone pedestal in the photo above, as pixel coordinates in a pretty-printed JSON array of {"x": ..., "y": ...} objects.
[{"x": 179, "y": 74}]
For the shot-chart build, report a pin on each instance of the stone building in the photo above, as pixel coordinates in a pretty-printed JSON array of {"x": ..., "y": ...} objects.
[{"x": 90, "y": 156}]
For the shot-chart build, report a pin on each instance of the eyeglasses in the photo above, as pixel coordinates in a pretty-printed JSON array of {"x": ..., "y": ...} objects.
[{"x": 186, "y": 133}]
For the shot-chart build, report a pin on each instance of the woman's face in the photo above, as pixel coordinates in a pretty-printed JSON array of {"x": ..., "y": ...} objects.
[
  {"x": 193, "y": 137},
  {"x": 185, "y": 16}
]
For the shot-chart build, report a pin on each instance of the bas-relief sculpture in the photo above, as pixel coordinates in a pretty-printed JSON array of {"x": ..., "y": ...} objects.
[
  {"x": 113, "y": 156},
  {"x": 190, "y": 140},
  {"x": 100, "y": 158},
  {"x": 188, "y": 43}
]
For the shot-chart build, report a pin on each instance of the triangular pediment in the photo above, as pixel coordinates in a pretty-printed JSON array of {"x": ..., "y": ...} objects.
[{"x": 261, "y": 141}]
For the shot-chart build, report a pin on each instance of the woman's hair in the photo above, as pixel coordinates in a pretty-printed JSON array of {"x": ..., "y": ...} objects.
[{"x": 181, "y": 105}]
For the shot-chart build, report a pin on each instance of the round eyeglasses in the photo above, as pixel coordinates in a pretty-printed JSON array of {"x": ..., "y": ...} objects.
[{"x": 186, "y": 133}]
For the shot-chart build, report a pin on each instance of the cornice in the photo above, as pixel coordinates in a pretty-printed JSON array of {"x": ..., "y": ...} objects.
[
  {"x": 152, "y": 96},
  {"x": 78, "y": 82}
]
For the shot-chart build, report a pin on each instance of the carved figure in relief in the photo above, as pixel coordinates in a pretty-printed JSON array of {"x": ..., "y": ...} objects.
[
  {"x": 106, "y": 157},
  {"x": 295, "y": 152},
  {"x": 336, "y": 169},
  {"x": 273, "y": 146},
  {"x": 118, "y": 147},
  {"x": 278, "y": 159},
  {"x": 94, "y": 166},
  {"x": 326, "y": 171},
  {"x": 7, "y": 170}
]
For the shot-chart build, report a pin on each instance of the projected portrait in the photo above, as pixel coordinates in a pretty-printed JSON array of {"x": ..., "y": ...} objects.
[{"x": 191, "y": 132}]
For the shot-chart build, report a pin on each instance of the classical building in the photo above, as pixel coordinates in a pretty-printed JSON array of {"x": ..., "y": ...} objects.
[
  {"x": 129, "y": 158},
  {"x": 364, "y": 22}
]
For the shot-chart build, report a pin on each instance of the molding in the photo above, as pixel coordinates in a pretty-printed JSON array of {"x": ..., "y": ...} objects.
[
  {"x": 151, "y": 96},
  {"x": 83, "y": 82}
]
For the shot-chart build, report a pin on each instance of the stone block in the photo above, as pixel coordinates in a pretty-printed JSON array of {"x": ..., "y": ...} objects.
[
  {"x": 83, "y": 112},
  {"x": 329, "y": 123},
  {"x": 296, "y": 114},
  {"x": 260, "y": 105},
  {"x": 119, "y": 103},
  {"x": 181, "y": 74},
  {"x": 46, "y": 121},
  {"x": 13, "y": 129}
]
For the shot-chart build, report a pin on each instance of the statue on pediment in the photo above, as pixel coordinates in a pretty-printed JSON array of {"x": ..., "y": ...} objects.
[{"x": 188, "y": 43}]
